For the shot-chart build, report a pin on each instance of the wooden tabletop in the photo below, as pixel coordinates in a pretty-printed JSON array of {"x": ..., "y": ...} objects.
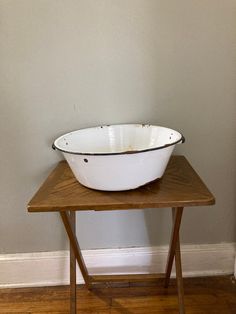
[{"x": 179, "y": 187}]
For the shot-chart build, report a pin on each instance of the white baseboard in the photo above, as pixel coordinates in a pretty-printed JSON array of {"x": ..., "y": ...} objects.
[{"x": 52, "y": 268}]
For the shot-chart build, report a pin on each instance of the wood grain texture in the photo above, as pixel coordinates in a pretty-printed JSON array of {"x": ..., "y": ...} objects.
[
  {"x": 179, "y": 187},
  {"x": 126, "y": 278},
  {"x": 209, "y": 295}
]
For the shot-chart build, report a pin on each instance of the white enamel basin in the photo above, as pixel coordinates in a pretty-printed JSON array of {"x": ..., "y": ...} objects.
[{"x": 118, "y": 157}]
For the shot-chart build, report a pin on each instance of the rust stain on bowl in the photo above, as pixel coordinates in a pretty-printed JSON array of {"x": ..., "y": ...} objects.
[{"x": 130, "y": 151}]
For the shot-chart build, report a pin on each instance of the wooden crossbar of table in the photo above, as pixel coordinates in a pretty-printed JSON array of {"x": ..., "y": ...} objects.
[{"x": 179, "y": 187}]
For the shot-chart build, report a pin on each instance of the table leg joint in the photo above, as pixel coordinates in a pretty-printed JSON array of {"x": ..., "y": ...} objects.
[{"x": 75, "y": 246}]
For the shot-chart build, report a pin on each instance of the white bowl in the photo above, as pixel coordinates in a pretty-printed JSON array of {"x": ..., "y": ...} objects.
[{"x": 118, "y": 157}]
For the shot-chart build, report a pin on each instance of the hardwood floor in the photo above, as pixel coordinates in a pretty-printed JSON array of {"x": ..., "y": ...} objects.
[{"x": 202, "y": 295}]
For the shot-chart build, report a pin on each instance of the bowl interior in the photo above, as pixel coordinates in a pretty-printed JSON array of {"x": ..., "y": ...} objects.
[{"x": 117, "y": 139}]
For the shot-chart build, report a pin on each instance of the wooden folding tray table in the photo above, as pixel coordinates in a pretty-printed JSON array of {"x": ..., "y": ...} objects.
[{"x": 179, "y": 187}]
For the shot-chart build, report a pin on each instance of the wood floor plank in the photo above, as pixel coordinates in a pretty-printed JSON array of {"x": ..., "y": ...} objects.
[
  {"x": 209, "y": 295},
  {"x": 77, "y": 312}
]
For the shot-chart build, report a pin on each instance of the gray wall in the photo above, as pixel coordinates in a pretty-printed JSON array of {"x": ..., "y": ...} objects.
[{"x": 71, "y": 64}]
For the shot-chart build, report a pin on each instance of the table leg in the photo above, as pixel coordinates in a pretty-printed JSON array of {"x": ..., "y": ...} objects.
[
  {"x": 173, "y": 244},
  {"x": 72, "y": 267},
  {"x": 178, "y": 268},
  {"x": 75, "y": 246}
]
